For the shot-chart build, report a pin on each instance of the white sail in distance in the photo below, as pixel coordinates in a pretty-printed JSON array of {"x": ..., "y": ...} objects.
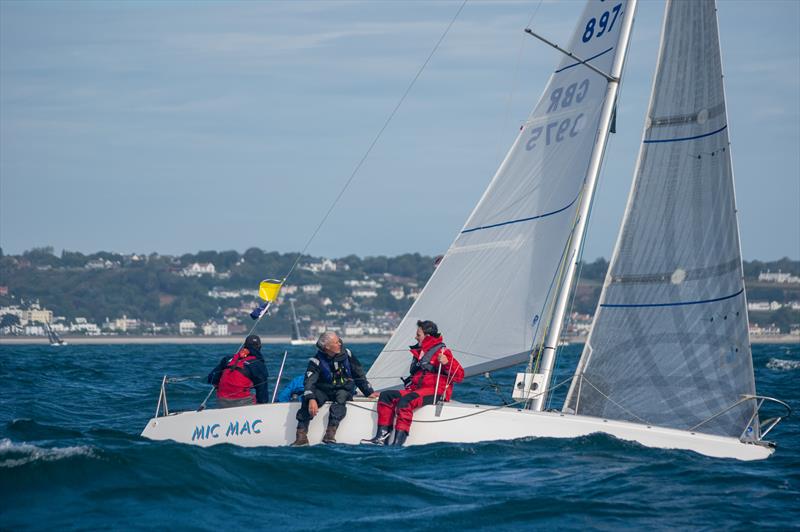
[
  {"x": 669, "y": 344},
  {"x": 490, "y": 292}
]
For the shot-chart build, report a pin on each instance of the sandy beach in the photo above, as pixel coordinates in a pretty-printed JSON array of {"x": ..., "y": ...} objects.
[{"x": 188, "y": 340}]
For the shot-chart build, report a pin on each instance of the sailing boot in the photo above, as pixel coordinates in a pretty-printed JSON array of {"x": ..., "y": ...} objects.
[
  {"x": 400, "y": 437},
  {"x": 381, "y": 437},
  {"x": 301, "y": 440},
  {"x": 330, "y": 434}
]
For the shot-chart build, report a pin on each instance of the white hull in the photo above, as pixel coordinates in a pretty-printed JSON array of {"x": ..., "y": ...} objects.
[
  {"x": 273, "y": 425},
  {"x": 302, "y": 342}
]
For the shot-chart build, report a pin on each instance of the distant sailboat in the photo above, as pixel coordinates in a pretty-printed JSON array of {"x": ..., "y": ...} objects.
[
  {"x": 296, "y": 338},
  {"x": 52, "y": 336},
  {"x": 668, "y": 360}
]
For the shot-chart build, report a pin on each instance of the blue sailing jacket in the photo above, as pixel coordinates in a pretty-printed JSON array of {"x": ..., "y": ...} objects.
[{"x": 294, "y": 388}]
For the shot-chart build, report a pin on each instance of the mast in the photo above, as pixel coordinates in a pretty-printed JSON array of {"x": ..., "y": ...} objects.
[
  {"x": 590, "y": 184},
  {"x": 295, "y": 325}
]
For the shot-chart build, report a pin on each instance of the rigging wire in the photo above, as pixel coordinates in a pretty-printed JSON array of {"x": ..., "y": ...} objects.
[
  {"x": 599, "y": 187},
  {"x": 572, "y": 303},
  {"x": 574, "y": 288},
  {"x": 362, "y": 160},
  {"x": 533, "y": 362},
  {"x": 515, "y": 80},
  {"x": 482, "y": 411},
  {"x": 374, "y": 142},
  {"x": 492, "y": 385}
]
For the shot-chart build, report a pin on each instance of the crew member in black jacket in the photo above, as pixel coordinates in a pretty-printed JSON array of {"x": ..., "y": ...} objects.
[{"x": 332, "y": 375}]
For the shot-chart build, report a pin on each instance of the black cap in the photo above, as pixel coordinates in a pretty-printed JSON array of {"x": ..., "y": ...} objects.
[
  {"x": 428, "y": 327},
  {"x": 253, "y": 342}
]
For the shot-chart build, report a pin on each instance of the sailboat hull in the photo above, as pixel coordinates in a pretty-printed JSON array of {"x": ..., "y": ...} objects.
[
  {"x": 302, "y": 342},
  {"x": 273, "y": 425}
]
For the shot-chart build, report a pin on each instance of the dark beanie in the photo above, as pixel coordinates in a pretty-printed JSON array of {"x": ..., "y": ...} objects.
[{"x": 253, "y": 343}]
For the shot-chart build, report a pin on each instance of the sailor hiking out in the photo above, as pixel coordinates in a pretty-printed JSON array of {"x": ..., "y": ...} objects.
[
  {"x": 333, "y": 374},
  {"x": 433, "y": 371},
  {"x": 235, "y": 376}
]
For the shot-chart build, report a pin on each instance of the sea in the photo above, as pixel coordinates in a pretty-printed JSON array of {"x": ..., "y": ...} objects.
[{"x": 71, "y": 458}]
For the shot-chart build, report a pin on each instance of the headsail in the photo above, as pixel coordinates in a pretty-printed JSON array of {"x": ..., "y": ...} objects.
[
  {"x": 490, "y": 292},
  {"x": 669, "y": 345}
]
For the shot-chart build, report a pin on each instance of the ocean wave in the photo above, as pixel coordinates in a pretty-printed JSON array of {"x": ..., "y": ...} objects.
[
  {"x": 783, "y": 365},
  {"x": 18, "y": 454}
]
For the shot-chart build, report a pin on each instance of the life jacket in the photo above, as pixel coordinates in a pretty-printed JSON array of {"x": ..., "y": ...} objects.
[
  {"x": 423, "y": 378},
  {"x": 235, "y": 383},
  {"x": 335, "y": 371},
  {"x": 424, "y": 362}
]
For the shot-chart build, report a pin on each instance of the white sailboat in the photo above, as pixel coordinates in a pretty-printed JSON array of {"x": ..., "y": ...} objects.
[
  {"x": 668, "y": 361},
  {"x": 296, "y": 338},
  {"x": 53, "y": 337}
]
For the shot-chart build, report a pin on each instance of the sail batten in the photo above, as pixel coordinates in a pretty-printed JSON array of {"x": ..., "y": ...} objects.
[{"x": 669, "y": 343}]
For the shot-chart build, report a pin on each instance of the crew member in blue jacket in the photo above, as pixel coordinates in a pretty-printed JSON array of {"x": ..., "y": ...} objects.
[
  {"x": 332, "y": 375},
  {"x": 292, "y": 391}
]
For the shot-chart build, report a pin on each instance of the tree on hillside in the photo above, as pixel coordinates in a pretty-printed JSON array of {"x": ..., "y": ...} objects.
[
  {"x": 786, "y": 318},
  {"x": 9, "y": 321},
  {"x": 73, "y": 259},
  {"x": 596, "y": 270},
  {"x": 41, "y": 256}
]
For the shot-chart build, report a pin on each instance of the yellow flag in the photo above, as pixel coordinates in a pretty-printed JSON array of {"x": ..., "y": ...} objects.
[{"x": 268, "y": 289}]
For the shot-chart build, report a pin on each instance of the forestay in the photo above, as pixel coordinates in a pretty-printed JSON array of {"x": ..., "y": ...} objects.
[
  {"x": 669, "y": 345},
  {"x": 490, "y": 292}
]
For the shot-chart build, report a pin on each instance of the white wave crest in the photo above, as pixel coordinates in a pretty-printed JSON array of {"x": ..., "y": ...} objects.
[
  {"x": 783, "y": 365},
  {"x": 18, "y": 454}
]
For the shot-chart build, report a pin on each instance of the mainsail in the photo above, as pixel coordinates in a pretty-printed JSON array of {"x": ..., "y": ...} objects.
[
  {"x": 669, "y": 345},
  {"x": 491, "y": 291}
]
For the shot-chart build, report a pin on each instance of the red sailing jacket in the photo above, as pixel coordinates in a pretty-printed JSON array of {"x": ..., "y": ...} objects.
[
  {"x": 423, "y": 381},
  {"x": 234, "y": 382}
]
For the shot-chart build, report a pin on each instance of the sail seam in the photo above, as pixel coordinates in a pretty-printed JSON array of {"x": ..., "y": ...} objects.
[
  {"x": 693, "y": 275},
  {"x": 579, "y": 63},
  {"x": 677, "y": 304},
  {"x": 679, "y": 139},
  {"x": 545, "y": 215}
]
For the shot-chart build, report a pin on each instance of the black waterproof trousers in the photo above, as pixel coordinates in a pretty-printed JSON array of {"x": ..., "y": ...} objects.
[{"x": 338, "y": 398}]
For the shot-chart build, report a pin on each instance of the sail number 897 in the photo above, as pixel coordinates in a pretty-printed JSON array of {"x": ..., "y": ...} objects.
[{"x": 602, "y": 23}]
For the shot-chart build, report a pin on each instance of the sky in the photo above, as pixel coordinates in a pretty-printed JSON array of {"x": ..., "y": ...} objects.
[{"x": 174, "y": 127}]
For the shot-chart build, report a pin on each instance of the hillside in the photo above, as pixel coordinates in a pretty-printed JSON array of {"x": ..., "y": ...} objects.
[{"x": 155, "y": 292}]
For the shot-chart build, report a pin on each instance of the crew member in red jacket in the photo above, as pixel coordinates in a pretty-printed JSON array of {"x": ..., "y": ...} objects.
[
  {"x": 235, "y": 376},
  {"x": 429, "y": 354}
]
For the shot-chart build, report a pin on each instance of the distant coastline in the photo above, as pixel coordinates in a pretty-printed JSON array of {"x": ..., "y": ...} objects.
[
  {"x": 183, "y": 340},
  {"x": 272, "y": 340}
]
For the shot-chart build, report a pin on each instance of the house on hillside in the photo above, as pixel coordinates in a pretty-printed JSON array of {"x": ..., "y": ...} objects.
[
  {"x": 763, "y": 306},
  {"x": 778, "y": 277},
  {"x": 186, "y": 327},
  {"x": 212, "y": 328},
  {"x": 100, "y": 264},
  {"x": 325, "y": 265},
  {"x": 124, "y": 324},
  {"x": 82, "y": 325},
  {"x": 198, "y": 269},
  {"x": 311, "y": 288}
]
